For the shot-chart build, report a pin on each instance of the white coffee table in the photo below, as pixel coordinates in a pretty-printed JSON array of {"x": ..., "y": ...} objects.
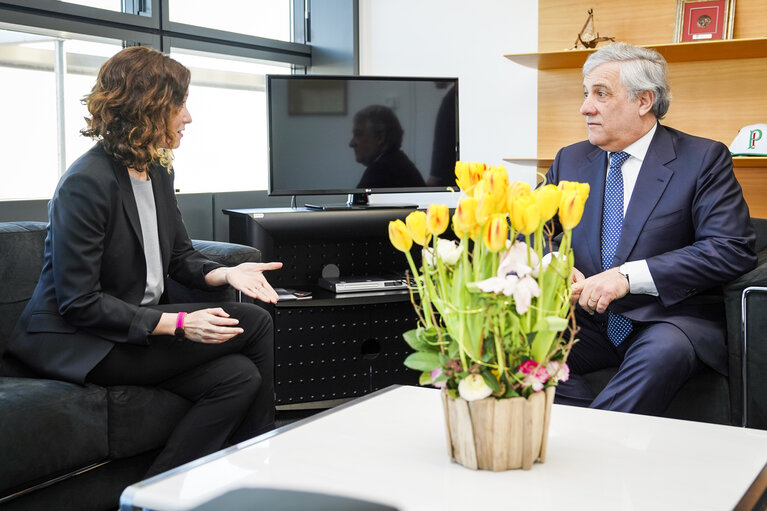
[{"x": 390, "y": 447}]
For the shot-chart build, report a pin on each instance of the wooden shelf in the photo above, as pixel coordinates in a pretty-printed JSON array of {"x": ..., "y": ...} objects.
[
  {"x": 743, "y": 162},
  {"x": 539, "y": 162},
  {"x": 739, "y": 162},
  {"x": 673, "y": 52},
  {"x": 718, "y": 86}
]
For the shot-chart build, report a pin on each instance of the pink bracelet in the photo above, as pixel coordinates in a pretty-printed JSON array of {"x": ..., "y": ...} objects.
[{"x": 179, "y": 333}]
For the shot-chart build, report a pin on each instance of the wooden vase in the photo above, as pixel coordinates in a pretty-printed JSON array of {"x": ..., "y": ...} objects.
[{"x": 498, "y": 434}]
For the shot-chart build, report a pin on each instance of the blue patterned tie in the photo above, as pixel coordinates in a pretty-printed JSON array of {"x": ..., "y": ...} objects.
[{"x": 618, "y": 327}]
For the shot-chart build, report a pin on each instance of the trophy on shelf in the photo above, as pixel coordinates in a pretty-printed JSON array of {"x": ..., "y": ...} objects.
[{"x": 588, "y": 37}]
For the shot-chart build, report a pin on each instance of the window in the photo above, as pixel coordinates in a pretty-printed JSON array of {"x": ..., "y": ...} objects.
[
  {"x": 50, "y": 54},
  {"x": 224, "y": 148},
  {"x": 264, "y": 18},
  {"x": 109, "y": 5},
  {"x": 37, "y": 138}
]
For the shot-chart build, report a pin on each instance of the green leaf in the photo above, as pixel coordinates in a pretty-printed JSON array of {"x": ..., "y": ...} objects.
[
  {"x": 555, "y": 323},
  {"x": 453, "y": 351},
  {"x": 490, "y": 380},
  {"x": 425, "y": 378},
  {"x": 417, "y": 339},
  {"x": 421, "y": 361}
]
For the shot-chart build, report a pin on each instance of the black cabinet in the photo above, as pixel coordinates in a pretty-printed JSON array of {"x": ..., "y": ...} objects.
[{"x": 331, "y": 346}]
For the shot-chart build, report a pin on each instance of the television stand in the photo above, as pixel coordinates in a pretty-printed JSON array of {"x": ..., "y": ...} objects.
[
  {"x": 332, "y": 346},
  {"x": 358, "y": 201}
]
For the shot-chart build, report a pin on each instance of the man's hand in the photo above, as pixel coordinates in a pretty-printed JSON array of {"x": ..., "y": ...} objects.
[
  {"x": 595, "y": 293},
  {"x": 577, "y": 277}
]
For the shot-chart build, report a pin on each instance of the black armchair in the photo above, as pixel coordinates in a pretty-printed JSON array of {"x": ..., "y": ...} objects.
[{"x": 741, "y": 397}]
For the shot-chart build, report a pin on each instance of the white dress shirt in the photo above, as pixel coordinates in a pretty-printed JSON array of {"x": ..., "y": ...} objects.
[{"x": 640, "y": 279}]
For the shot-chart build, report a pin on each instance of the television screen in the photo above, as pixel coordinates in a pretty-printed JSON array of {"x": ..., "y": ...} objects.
[{"x": 361, "y": 134}]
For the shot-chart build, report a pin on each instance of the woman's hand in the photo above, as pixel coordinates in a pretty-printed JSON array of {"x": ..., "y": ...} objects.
[
  {"x": 211, "y": 326},
  {"x": 249, "y": 278}
]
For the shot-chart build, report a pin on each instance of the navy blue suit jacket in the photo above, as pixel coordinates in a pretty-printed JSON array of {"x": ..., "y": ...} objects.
[
  {"x": 94, "y": 270},
  {"x": 687, "y": 218}
]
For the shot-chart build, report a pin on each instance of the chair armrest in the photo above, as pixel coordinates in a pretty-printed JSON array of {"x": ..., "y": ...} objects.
[
  {"x": 742, "y": 351},
  {"x": 228, "y": 254}
]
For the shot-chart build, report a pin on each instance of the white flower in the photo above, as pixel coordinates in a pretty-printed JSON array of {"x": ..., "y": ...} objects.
[
  {"x": 546, "y": 261},
  {"x": 427, "y": 254},
  {"x": 515, "y": 260},
  {"x": 449, "y": 251},
  {"x": 522, "y": 289},
  {"x": 473, "y": 387},
  {"x": 524, "y": 292}
]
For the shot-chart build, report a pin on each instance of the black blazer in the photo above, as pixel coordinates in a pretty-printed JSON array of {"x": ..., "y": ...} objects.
[{"x": 94, "y": 270}]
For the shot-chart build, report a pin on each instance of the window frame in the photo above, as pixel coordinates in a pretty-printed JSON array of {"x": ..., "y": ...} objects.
[{"x": 149, "y": 25}]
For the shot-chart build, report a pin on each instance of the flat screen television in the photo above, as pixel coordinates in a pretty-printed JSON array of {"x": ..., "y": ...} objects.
[{"x": 358, "y": 135}]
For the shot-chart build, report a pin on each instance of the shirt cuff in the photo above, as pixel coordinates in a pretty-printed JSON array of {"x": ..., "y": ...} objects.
[{"x": 640, "y": 279}]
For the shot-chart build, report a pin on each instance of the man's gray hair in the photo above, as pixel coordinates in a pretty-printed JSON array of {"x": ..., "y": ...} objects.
[{"x": 641, "y": 69}]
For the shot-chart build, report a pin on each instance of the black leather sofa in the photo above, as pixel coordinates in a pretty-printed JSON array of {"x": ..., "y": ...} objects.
[
  {"x": 740, "y": 398},
  {"x": 64, "y": 446}
]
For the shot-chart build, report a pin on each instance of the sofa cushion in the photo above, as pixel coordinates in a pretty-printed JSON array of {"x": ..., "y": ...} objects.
[
  {"x": 48, "y": 427},
  {"x": 141, "y": 418},
  {"x": 21, "y": 259}
]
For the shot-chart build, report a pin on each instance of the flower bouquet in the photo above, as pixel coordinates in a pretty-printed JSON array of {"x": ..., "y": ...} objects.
[{"x": 495, "y": 320}]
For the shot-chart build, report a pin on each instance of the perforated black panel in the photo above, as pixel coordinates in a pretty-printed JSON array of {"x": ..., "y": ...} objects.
[
  {"x": 324, "y": 353},
  {"x": 303, "y": 260},
  {"x": 330, "y": 348}
]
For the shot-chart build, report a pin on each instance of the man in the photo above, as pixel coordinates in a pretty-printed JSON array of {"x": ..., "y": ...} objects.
[
  {"x": 376, "y": 140},
  {"x": 665, "y": 221}
]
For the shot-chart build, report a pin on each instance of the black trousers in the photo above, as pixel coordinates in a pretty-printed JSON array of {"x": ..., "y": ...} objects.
[{"x": 231, "y": 384}]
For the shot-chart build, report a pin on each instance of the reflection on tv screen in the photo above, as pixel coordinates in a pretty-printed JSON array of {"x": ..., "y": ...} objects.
[{"x": 358, "y": 134}]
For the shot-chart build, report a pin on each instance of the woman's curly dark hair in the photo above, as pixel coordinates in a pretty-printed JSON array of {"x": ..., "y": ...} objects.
[{"x": 137, "y": 92}]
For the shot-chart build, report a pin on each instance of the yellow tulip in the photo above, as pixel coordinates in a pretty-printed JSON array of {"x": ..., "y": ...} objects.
[
  {"x": 525, "y": 214},
  {"x": 496, "y": 233},
  {"x": 416, "y": 227},
  {"x": 399, "y": 236},
  {"x": 467, "y": 175},
  {"x": 437, "y": 218},
  {"x": 547, "y": 198},
  {"x": 465, "y": 217},
  {"x": 497, "y": 183},
  {"x": 485, "y": 208},
  {"x": 571, "y": 208},
  {"x": 460, "y": 232},
  {"x": 582, "y": 189},
  {"x": 515, "y": 189}
]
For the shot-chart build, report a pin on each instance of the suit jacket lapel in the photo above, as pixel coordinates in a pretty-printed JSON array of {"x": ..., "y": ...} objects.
[
  {"x": 590, "y": 227},
  {"x": 128, "y": 200},
  {"x": 652, "y": 181},
  {"x": 163, "y": 214}
]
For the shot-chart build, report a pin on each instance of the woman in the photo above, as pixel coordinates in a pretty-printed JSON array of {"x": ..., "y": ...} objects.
[{"x": 114, "y": 234}]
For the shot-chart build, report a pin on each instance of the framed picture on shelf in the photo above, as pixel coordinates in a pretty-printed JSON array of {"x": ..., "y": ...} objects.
[{"x": 704, "y": 20}]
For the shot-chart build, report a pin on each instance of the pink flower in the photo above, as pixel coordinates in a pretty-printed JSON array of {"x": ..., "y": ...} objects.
[
  {"x": 558, "y": 371},
  {"x": 436, "y": 373},
  {"x": 536, "y": 375}
]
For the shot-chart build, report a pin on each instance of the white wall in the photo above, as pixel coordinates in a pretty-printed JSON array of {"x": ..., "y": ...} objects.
[{"x": 468, "y": 39}]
